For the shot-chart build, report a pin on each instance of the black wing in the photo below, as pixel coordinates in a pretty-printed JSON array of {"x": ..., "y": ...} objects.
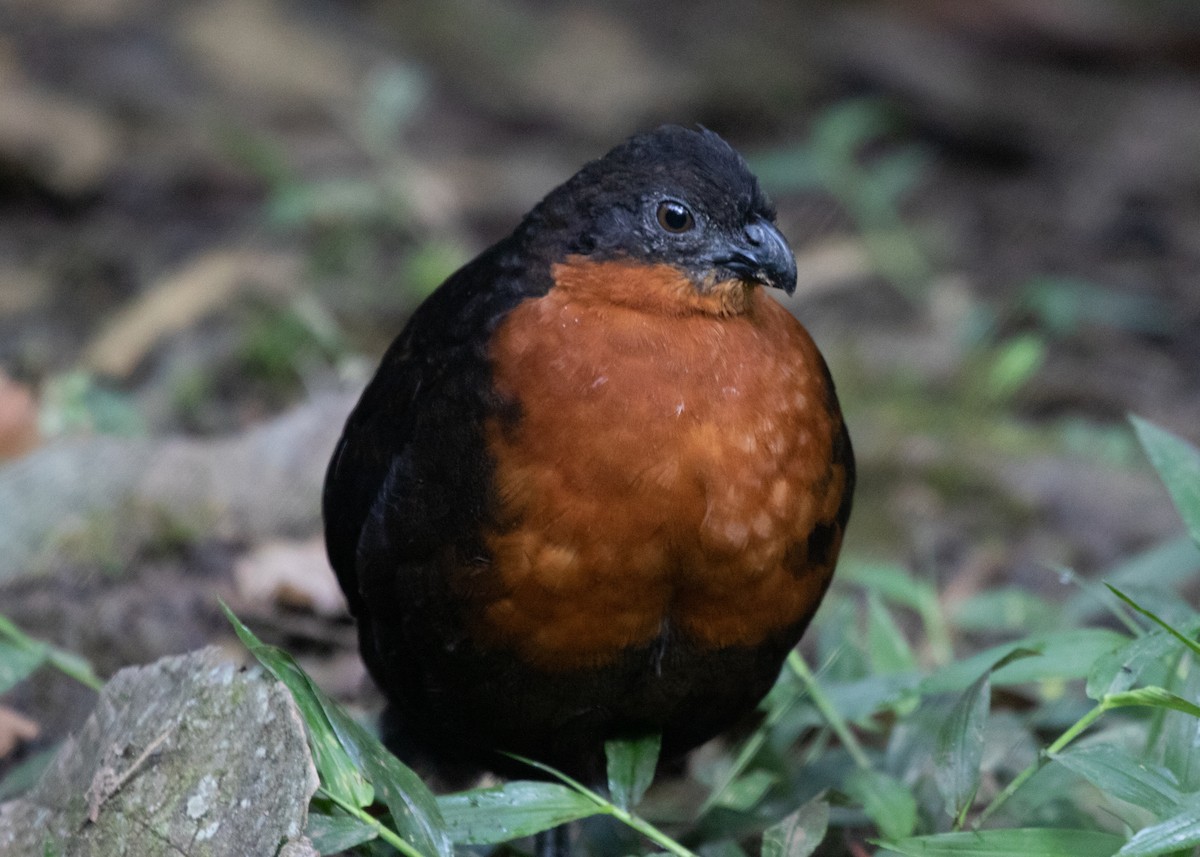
[{"x": 409, "y": 478}]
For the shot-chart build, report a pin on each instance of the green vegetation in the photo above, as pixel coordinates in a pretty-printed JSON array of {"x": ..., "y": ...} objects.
[{"x": 998, "y": 725}]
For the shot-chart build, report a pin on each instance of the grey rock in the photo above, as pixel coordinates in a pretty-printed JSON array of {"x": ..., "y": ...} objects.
[{"x": 188, "y": 756}]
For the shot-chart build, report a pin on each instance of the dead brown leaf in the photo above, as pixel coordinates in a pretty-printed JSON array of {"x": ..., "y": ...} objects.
[
  {"x": 15, "y": 729},
  {"x": 18, "y": 419},
  {"x": 180, "y": 300},
  {"x": 62, "y": 144},
  {"x": 292, "y": 574}
]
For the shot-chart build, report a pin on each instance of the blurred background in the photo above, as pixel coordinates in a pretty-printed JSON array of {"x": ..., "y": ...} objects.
[{"x": 215, "y": 214}]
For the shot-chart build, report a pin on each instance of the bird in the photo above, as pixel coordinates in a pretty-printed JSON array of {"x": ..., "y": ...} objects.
[{"x": 599, "y": 483}]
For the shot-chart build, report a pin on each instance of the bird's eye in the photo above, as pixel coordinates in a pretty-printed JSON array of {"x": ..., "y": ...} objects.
[{"x": 675, "y": 216}]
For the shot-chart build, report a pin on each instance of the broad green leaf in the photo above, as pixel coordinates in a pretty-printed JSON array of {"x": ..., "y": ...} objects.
[
  {"x": 859, "y": 700},
  {"x": 1063, "y": 655},
  {"x": 1120, "y": 669},
  {"x": 960, "y": 740},
  {"x": 333, "y": 834},
  {"x": 339, "y": 775},
  {"x": 343, "y": 751},
  {"x": 1115, "y": 772},
  {"x": 1167, "y": 564},
  {"x": 516, "y": 809},
  {"x": 631, "y": 766},
  {"x": 800, "y": 833},
  {"x": 886, "y": 801},
  {"x": 1020, "y": 842},
  {"x": 412, "y": 805},
  {"x": 1178, "y": 833},
  {"x": 1178, "y": 465},
  {"x": 1006, "y": 610},
  {"x": 18, "y": 663},
  {"x": 1177, "y": 742},
  {"x": 960, "y": 747}
]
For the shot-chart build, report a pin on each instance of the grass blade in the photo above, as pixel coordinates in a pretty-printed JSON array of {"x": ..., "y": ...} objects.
[
  {"x": 604, "y": 805},
  {"x": 340, "y": 777},
  {"x": 510, "y": 811},
  {"x": 1170, "y": 629},
  {"x": 17, "y": 663},
  {"x": 65, "y": 662},
  {"x": 344, "y": 751}
]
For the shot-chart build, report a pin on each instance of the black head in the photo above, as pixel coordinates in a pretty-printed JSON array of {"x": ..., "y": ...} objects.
[{"x": 674, "y": 196}]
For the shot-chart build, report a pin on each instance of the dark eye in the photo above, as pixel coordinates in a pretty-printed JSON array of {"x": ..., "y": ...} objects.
[{"x": 675, "y": 216}]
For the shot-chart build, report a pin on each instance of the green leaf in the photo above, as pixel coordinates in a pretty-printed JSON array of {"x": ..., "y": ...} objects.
[
  {"x": 1177, "y": 743},
  {"x": 1008, "y": 609},
  {"x": 631, "y": 766},
  {"x": 800, "y": 833},
  {"x": 786, "y": 170},
  {"x": 412, "y": 805},
  {"x": 885, "y": 800},
  {"x": 1170, "y": 629},
  {"x": 333, "y": 834},
  {"x": 1177, "y": 833},
  {"x": 516, "y": 809},
  {"x": 1168, "y": 564},
  {"x": 858, "y": 701},
  {"x": 745, "y": 792},
  {"x": 1063, "y": 304},
  {"x": 1178, "y": 465},
  {"x": 1014, "y": 362},
  {"x": 895, "y": 583},
  {"x": 606, "y": 806},
  {"x": 1116, "y": 772},
  {"x": 1151, "y": 697},
  {"x": 343, "y": 751},
  {"x": 1120, "y": 669},
  {"x": 339, "y": 775},
  {"x": 1021, "y": 842},
  {"x": 17, "y": 663},
  {"x": 65, "y": 662},
  {"x": 887, "y": 646},
  {"x": 959, "y": 749},
  {"x": 1063, "y": 655}
]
